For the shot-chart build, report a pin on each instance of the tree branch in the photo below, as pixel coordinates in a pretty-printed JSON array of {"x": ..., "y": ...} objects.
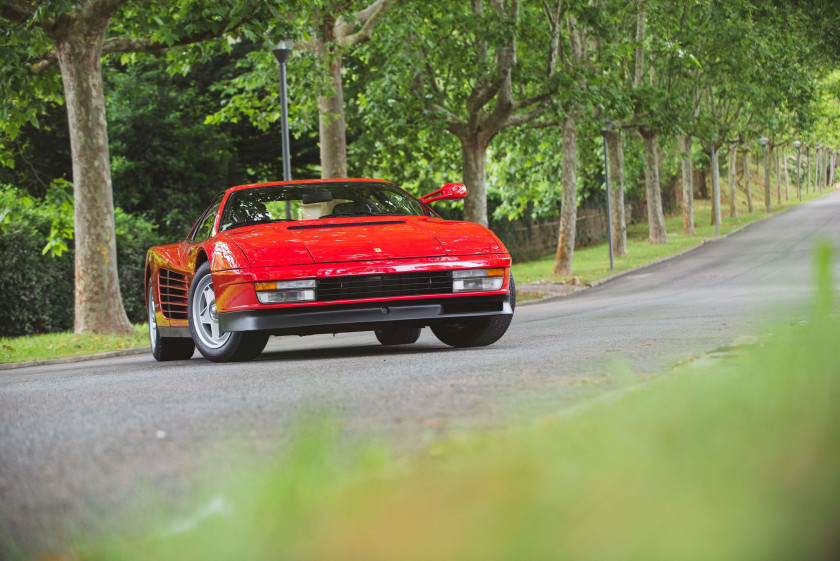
[
  {"x": 640, "y": 45},
  {"x": 128, "y": 45},
  {"x": 19, "y": 12},
  {"x": 524, "y": 118},
  {"x": 541, "y": 124},
  {"x": 368, "y": 17},
  {"x": 485, "y": 89}
]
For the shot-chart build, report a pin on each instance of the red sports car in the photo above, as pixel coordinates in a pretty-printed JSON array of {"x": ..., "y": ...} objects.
[{"x": 326, "y": 256}]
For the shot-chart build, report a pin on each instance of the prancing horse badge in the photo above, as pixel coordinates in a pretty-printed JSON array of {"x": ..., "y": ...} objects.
[{"x": 377, "y": 250}]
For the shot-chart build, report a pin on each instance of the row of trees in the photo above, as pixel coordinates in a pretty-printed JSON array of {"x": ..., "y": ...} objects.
[{"x": 402, "y": 89}]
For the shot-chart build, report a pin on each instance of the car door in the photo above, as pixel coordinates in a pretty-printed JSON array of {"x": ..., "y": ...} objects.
[{"x": 204, "y": 228}]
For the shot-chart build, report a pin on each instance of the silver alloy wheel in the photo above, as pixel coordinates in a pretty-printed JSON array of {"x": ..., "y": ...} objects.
[
  {"x": 204, "y": 316},
  {"x": 152, "y": 319}
]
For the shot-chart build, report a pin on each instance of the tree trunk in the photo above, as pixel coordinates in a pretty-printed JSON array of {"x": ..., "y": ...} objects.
[
  {"x": 715, "y": 163},
  {"x": 653, "y": 191},
  {"x": 833, "y": 168},
  {"x": 747, "y": 181},
  {"x": 331, "y": 125},
  {"x": 808, "y": 157},
  {"x": 778, "y": 177},
  {"x": 98, "y": 306},
  {"x": 787, "y": 175},
  {"x": 768, "y": 176},
  {"x": 688, "y": 186},
  {"x": 568, "y": 210},
  {"x": 619, "y": 220},
  {"x": 733, "y": 193},
  {"x": 700, "y": 181},
  {"x": 474, "y": 160}
]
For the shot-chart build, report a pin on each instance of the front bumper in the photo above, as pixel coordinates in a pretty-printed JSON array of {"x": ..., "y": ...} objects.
[{"x": 364, "y": 316}]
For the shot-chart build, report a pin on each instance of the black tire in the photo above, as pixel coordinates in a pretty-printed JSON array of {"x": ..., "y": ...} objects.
[
  {"x": 166, "y": 348},
  {"x": 214, "y": 345},
  {"x": 397, "y": 335},
  {"x": 477, "y": 332}
]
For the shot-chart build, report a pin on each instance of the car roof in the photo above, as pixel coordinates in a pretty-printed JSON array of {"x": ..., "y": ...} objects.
[{"x": 308, "y": 182}]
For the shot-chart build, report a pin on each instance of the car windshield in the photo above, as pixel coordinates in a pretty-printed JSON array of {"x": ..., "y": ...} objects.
[{"x": 280, "y": 203}]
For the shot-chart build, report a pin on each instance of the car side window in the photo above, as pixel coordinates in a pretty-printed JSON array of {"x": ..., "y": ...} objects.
[{"x": 205, "y": 226}]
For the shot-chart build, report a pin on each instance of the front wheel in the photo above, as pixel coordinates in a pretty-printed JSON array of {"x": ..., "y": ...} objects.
[
  {"x": 166, "y": 348},
  {"x": 213, "y": 343},
  {"x": 476, "y": 332}
]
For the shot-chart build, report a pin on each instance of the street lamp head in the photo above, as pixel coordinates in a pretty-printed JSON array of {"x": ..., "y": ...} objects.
[
  {"x": 282, "y": 49},
  {"x": 797, "y": 144},
  {"x": 764, "y": 140}
]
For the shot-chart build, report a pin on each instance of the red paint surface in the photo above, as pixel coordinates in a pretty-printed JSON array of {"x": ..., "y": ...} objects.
[{"x": 263, "y": 252}]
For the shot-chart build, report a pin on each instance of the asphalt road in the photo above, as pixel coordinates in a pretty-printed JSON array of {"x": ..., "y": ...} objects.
[{"x": 79, "y": 442}]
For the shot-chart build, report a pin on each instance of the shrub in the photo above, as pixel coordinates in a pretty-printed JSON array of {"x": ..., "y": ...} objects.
[{"x": 37, "y": 276}]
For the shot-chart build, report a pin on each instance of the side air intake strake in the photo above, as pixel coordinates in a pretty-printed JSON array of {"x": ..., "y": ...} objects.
[{"x": 173, "y": 294}]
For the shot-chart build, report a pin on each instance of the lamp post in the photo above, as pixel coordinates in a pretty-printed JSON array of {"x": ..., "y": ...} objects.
[
  {"x": 764, "y": 140},
  {"x": 282, "y": 49},
  {"x": 716, "y": 185},
  {"x": 604, "y": 130},
  {"x": 798, "y": 146}
]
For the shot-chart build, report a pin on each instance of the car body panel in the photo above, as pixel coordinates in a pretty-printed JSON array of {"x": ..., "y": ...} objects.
[{"x": 316, "y": 249}]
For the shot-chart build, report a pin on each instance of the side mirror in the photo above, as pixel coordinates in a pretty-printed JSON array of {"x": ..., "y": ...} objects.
[{"x": 450, "y": 191}]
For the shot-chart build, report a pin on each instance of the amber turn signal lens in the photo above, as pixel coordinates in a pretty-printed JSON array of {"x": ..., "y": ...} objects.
[
  {"x": 265, "y": 285},
  {"x": 495, "y": 272}
]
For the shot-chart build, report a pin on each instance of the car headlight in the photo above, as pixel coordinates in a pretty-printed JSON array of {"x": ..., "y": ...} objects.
[
  {"x": 477, "y": 280},
  {"x": 282, "y": 292}
]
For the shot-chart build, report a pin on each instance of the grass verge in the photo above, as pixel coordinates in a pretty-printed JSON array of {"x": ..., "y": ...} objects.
[
  {"x": 593, "y": 262},
  {"x": 59, "y": 345},
  {"x": 737, "y": 459}
]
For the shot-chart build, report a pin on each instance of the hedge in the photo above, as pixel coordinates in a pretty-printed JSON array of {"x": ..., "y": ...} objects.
[{"x": 36, "y": 289}]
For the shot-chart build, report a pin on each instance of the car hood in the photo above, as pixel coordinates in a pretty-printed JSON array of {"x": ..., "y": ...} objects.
[{"x": 361, "y": 239}]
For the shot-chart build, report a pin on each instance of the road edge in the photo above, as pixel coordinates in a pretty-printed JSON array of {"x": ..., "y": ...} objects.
[
  {"x": 71, "y": 359},
  {"x": 614, "y": 276}
]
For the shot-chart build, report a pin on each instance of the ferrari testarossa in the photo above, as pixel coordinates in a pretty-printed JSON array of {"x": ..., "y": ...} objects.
[{"x": 325, "y": 256}]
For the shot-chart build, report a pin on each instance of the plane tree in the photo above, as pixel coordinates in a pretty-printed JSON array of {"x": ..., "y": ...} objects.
[
  {"x": 53, "y": 50},
  {"x": 469, "y": 70}
]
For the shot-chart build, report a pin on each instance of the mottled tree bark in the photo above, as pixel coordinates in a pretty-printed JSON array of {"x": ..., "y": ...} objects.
[
  {"x": 653, "y": 190},
  {"x": 335, "y": 34},
  {"x": 715, "y": 179},
  {"x": 733, "y": 193},
  {"x": 787, "y": 174},
  {"x": 331, "y": 125},
  {"x": 747, "y": 181},
  {"x": 808, "y": 165},
  {"x": 615, "y": 146},
  {"x": 78, "y": 47},
  {"x": 568, "y": 209},
  {"x": 778, "y": 177},
  {"x": 474, "y": 161},
  {"x": 688, "y": 185},
  {"x": 768, "y": 176}
]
